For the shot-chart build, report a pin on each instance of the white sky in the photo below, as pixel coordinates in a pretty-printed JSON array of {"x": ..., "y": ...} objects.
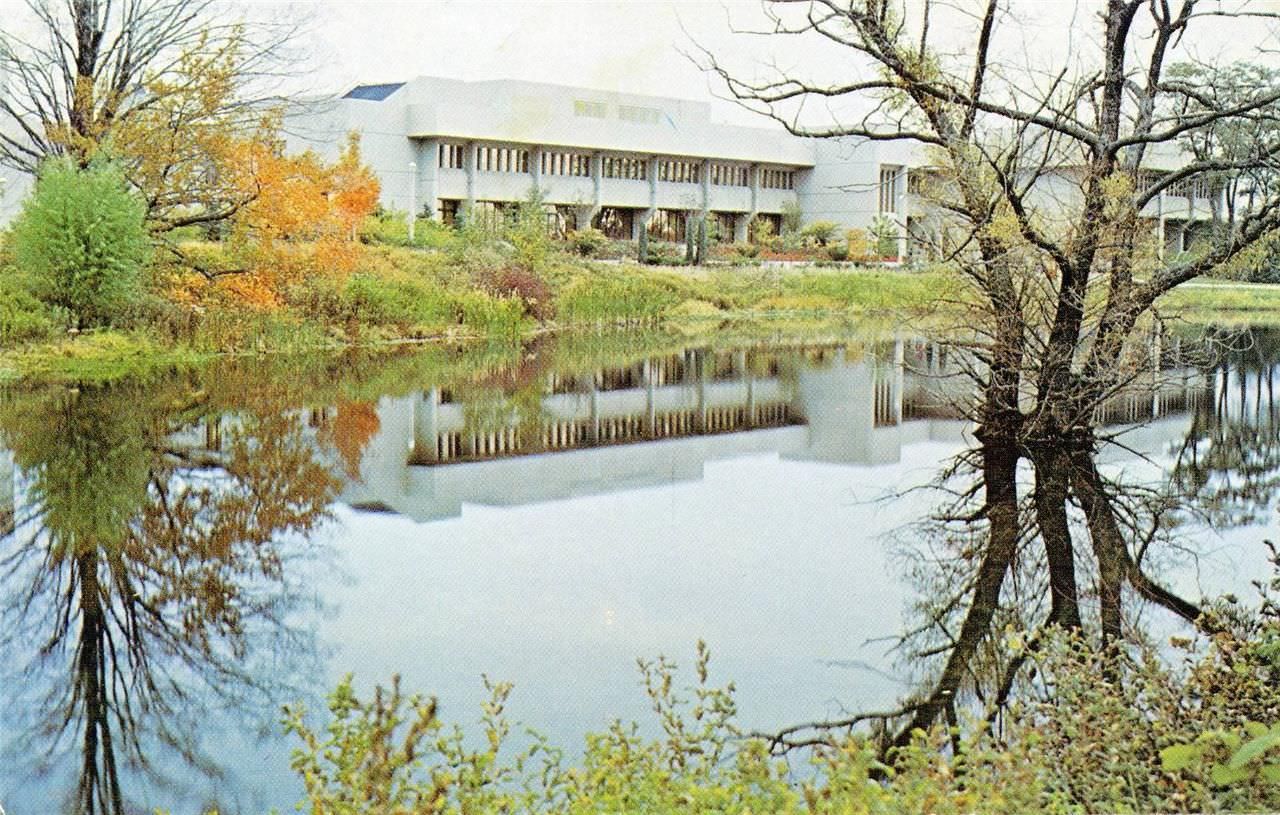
[
  {"x": 623, "y": 46},
  {"x": 636, "y": 46}
]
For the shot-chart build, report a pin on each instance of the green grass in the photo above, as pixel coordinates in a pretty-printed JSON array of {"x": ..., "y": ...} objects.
[{"x": 102, "y": 356}]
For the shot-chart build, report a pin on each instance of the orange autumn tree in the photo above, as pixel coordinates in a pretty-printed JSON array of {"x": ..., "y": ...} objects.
[{"x": 301, "y": 218}]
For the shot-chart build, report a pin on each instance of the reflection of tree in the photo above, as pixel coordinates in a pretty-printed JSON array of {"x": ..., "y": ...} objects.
[{"x": 152, "y": 570}]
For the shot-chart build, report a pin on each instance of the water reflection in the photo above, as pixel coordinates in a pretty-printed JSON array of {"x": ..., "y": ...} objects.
[
  {"x": 160, "y": 538},
  {"x": 148, "y": 579}
]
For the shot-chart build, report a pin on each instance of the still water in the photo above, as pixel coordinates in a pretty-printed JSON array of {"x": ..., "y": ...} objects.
[{"x": 182, "y": 555}]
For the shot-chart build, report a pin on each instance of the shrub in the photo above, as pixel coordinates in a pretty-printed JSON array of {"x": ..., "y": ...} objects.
[
  {"x": 609, "y": 297},
  {"x": 838, "y": 252},
  {"x": 82, "y": 237},
  {"x": 23, "y": 318},
  {"x": 819, "y": 232},
  {"x": 747, "y": 250},
  {"x": 525, "y": 285},
  {"x": 858, "y": 244},
  {"x": 588, "y": 242}
]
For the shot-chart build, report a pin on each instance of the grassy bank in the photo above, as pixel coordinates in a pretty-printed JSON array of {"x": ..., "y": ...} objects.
[
  {"x": 398, "y": 295},
  {"x": 491, "y": 291}
]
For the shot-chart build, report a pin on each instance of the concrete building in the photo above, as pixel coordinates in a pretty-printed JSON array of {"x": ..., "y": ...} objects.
[{"x": 613, "y": 160}]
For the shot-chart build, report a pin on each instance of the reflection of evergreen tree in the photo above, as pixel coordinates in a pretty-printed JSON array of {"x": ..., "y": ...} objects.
[{"x": 151, "y": 571}]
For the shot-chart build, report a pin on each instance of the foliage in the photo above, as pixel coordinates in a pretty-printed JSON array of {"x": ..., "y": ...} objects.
[
  {"x": 819, "y": 232},
  {"x": 588, "y": 242},
  {"x": 858, "y": 244},
  {"x": 884, "y": 233},
  {"x": 791, "y": 217},
  {"x": 81, "y": 237}
]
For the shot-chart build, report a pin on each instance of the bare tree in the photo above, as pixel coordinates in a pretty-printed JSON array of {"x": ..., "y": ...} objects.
[
  {"x": 151, "y": 79},
  {"x": 1044, "y": 180}
]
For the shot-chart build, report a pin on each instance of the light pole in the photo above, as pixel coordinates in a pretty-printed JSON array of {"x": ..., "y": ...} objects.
[{"x": 413, "y": 204}]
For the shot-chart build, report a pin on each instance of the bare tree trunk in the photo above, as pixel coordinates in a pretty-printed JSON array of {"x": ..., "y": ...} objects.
[
  {"x": 999, "y": 470},
  {"x": 1051, "y": 490}
]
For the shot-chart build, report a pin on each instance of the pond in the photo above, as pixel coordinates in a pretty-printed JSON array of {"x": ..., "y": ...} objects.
[{"x": 184, "y": 554}]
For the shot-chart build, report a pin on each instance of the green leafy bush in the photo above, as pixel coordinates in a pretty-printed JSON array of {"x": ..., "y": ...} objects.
[
  {"x": 82, "y": 238},
  {"x": 615, "y": 297},
  {"x": 819, "y": 232},
  {"x": 588, "y": 242},
  {"x": 23, "y": 318}
]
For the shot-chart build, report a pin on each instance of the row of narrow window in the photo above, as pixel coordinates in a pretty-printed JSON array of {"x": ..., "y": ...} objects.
[
  {"x": 636, "y": 169},
  {"x": 889, "y": 188},
  {"x": 778, "y": 179},
  {"x": 555, "y": 163},
  {"x": 516, "y": 160},
  {"x": 680, "y": 172},
  {"x": 730, "y": 175},
  {"x": 502, "y": 160}
]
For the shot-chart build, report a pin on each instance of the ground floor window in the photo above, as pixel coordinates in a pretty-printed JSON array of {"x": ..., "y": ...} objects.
[
  {"x": 722, "y": 226},
  {"x": 447, "y": 212},
  {"x": 764, "y": 225},
  {"x": 668, "y": 225},
  {"x": 615, "y": 222},
  {"x": 561, "y": 220},
  {"x": 488, "y": 215}
]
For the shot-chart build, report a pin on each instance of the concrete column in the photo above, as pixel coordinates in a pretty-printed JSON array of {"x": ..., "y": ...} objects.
[
  {"x": 642, "y": 217},
  {"x": 753, "y": 178},
  {"x": 469, "y": 167},
  {"x": 535, "y": 168},
  {"x": 1160, "y": 219},
  {"x": 428, "y": 160},
  {"x": 741, "y": 222},
  {"x": 706, "y": 185}
]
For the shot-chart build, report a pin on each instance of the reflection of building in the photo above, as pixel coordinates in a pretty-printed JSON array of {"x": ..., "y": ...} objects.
[
  {"x": 656, "y": 422},
  {"x": 661, "y": 420}
]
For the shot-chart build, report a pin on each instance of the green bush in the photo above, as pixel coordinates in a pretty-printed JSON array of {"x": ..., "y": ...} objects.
[
  {"x": 588, "y": 242},
  {"x": 23, "y": 318},
  {"x": 838, "y": 252},
  {"x": 819, "y": 232},
  {"x": 615, "y": 297},
  {"x": 82, "y": 238}
]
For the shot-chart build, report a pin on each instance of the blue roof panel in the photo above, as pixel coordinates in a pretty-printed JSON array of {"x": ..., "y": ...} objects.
[{"x": 373, "y": 93}]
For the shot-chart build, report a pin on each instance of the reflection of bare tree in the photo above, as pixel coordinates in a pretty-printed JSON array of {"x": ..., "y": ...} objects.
[{"x": 153, "y": 571}]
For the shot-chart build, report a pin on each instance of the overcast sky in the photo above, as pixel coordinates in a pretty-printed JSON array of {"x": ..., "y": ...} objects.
[
  {"x": 636, "y": 46},
  {"x": 624, "y": 46}
]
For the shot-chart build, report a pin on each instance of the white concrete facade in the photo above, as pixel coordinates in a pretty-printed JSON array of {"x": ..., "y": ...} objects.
[{"x": 441, "y": 145}]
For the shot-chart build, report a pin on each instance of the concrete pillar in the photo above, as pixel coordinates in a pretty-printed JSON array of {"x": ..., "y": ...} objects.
[
  {"x": 741, "y": 223},
  {"x": 469, "y": 167},
  {"x": 1160, "y": 221},
  {"x": 535, "y": 168},
  {"x": 641, "y": 221},
  {"x": 428, "y": 183},
  {"x": 753, "y": 179},
  {"x": 706, "y": 185}
]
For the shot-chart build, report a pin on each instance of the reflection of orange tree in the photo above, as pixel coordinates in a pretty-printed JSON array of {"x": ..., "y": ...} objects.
[
  {"x": 152, "y": 572},
  {"x": 350, "y": 431}
]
